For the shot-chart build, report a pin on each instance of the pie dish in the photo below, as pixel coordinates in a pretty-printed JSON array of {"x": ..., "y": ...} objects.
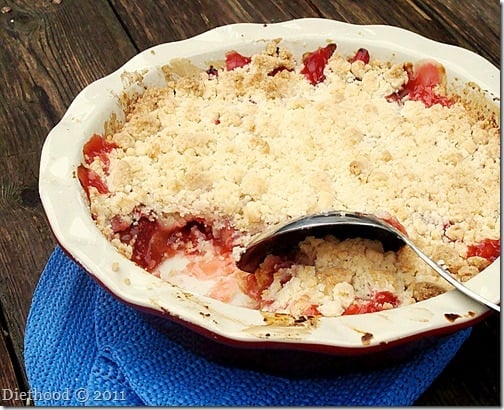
[{"x": 68, "y": 210}]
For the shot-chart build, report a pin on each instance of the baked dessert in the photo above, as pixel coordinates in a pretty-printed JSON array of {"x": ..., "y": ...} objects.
[{"x": 201, "y": 165}]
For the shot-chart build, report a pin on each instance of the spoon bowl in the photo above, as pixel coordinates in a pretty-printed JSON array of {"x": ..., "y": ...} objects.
[{"x": 341, "y": 224}]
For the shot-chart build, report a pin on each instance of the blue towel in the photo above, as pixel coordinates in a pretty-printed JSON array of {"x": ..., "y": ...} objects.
[{"x": 84, "y": 347}]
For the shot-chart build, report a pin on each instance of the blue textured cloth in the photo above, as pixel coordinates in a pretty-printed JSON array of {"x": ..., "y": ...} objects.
[{"x": 83, "y": 347}]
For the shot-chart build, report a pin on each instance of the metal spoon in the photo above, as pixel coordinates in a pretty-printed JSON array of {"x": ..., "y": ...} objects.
[{"x": 342, "y": 224}]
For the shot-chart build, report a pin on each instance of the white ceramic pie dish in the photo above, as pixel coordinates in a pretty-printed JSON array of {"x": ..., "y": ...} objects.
[{"x": 68, "y": 212}]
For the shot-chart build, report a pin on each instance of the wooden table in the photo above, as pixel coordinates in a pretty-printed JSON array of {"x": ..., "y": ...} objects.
[{"x": 50, "y": 50}]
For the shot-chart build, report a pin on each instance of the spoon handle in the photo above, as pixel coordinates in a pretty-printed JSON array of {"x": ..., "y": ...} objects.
[{"x": 465, "y": 290}]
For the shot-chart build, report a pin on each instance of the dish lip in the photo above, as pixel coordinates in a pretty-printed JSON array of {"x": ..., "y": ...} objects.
[{"x": 79, "y": 237}]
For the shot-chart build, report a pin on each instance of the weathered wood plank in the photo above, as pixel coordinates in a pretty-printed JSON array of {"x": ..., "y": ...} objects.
[
  {"x": 404, "y": 13},
  {"x": 469, "y": 24},
  {"x": 160, "y": 23},
  {"x": 465, "y": 23},
  {"x": 49, "y": 53},
  {"x": 8, "y": 382}
]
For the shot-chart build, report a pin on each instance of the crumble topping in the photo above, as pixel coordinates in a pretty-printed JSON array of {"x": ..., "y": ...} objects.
[{"x": 258, "y": 144}]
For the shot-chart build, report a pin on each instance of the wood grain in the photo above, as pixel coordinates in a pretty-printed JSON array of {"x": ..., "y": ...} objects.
[
  {"x": 480, "y": 33},
  {"x": 7, "y": 373},
  {"x": 47, "y": 57},
  {"x": 158, "y": 23}
]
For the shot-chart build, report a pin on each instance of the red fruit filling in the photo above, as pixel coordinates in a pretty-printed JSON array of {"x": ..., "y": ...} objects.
[
  {"x": 255, "y": 283},
  {"x": 375, "y": 304},
  {"x": 236, "y": 60},
  {"x": 487, "y": 248},
  {"x": 315, "y": 63},
  {"x": 361, "y": 55},
  {"x": 277, "y": 70},
  {"x": 152, "y": 241},
  {"x": 88, "y": 178},
  {"x": 212, "y": 72},
  {"x": 97, "y": 146},
  {"x": 422, "y": 83},
  {"x": 392, "y": 220}
]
